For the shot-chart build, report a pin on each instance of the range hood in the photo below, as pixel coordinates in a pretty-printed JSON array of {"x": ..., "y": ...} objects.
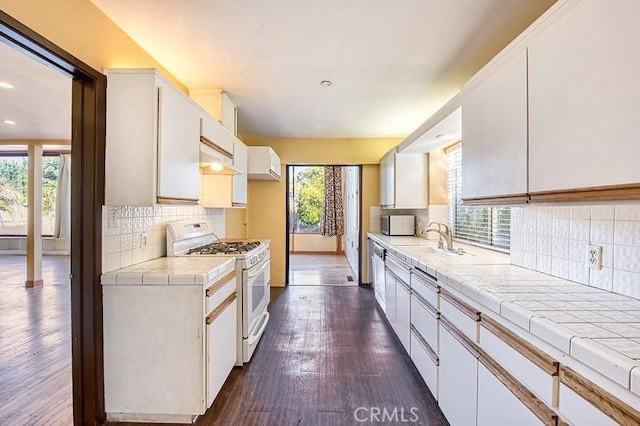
[
  {"x": 214, "y": 162},
  {"x": 263, "y": 163},
  {"x": 216, "y": 148}
]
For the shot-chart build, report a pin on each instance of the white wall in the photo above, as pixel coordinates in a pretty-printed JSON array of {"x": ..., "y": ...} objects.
[
  {"x": 554, "y": 240},
  {"x": 18, "y": 245},
  {"x": 121, "y": 245}
]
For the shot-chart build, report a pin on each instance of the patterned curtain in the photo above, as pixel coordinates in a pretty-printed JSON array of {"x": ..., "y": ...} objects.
[{"x": 332, "y": 209}]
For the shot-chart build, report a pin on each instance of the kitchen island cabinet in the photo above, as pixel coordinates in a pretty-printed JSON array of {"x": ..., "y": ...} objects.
[
  {"x": 152, "y": 141},
  {"x": 170, "y": 329}
]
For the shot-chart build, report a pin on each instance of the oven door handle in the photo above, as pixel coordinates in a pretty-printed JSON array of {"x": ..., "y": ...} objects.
[
  {"x": 256, "y": 336},
  {"x": 258, "y": 270}
]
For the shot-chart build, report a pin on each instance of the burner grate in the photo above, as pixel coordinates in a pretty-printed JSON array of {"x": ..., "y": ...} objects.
[{"x": 227, "y": 247}]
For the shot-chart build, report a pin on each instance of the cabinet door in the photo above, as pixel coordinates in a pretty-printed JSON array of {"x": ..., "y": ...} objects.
[
  {"x": 379, "y": 280},
  {"x": 411, "y": 181},
  {"x": 387, "y": 184},
  {"x": 458, "y": 381},
  {"x": 497, "y": 405},
  {"x": 584, "y": 93},
  {"x": 390, "y": 297},
  {"x": 403, "y": 313},
  {"x": 494, "y": 133},
  {"x": 239, "y": 196},
  {"x": 221, "y": 350},
  {"x": 178, "y": 146}
]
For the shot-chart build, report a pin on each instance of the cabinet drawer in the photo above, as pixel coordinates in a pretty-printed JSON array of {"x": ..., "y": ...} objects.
[
  {"x": 426, "y": 287},
  {"x": 220, "y": 290},
  {"x": 584, "y": 403},
  {"x": 535, "y": 369},
  {"x": 399, "y": 269},
  {"x": 498, "y": 405},
  {"x": 425, "y": 320},
  {"x": 426, "y": 361},
  {"x": 462, "y": 315}
]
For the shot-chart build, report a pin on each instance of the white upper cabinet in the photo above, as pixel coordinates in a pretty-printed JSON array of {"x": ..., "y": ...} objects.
[
  {"x": 239, "y": 181},
  {"x": 494, "y": 133},
  {"x": 404, "y": 181},
  {"x": 152, "y": 141},
  {"x": 584, "y": 94},
  {"x": 263, "y": 163}
]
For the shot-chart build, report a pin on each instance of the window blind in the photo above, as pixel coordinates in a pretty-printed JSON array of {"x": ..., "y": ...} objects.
[{"x": 488, "y": 226}]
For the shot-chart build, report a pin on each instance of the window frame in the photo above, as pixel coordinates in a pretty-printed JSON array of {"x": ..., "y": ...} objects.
[
  {"x": 17, "y": 153},
  {"x": 495, "y": 233}
]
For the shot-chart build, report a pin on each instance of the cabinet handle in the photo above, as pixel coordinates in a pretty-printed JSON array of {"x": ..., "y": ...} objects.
[
  {"x": 421, "y": 300},
  {"x": 432, "y": 354},
  {"x": 217, "y": 148},
  {"x": 532, "y": 402},
  {"x": 467, "y": 309},
  {"x": 221, "y": 307},
  {"x": 220, "y": 283},
  {"x": 616, "y": 409},
  {"x": 426, "y": 279},
  {"x": 526, "y": 349},
  {"x": 174, "y": 200}
]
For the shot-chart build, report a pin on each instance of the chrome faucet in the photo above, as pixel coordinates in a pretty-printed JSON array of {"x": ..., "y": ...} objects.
[{"x": 446, "y": 233}]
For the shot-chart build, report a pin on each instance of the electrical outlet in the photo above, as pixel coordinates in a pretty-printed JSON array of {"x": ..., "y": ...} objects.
[
  {"x": 112, "y": 218},
  {"x": 594, "y": 256}
]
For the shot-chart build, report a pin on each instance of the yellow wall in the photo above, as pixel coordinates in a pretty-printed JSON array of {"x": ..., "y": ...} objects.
[
  {"x": 81, "y": 29},
  {"x": 267, "y": 199},
  {"x": 438, "y": 180}
]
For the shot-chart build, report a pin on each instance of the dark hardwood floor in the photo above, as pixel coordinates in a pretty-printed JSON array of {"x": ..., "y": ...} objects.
[
  {"x": 326, "y": 353},
  {"x": 35, "y": 344},
  {"x": 320, "y": 269}
]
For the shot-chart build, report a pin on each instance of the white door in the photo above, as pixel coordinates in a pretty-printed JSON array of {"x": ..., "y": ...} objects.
[{"x": 352, "y": 218}]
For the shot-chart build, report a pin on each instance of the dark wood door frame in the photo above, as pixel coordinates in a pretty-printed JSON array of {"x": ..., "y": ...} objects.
[
  {"x": 87, "y": 197},
  {"x": 288, "y": 217}
]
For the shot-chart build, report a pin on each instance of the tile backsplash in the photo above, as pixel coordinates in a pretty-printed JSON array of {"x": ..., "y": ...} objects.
[
  {"x": 554, "y": 240},
  {"x": 123, "y": 243}
]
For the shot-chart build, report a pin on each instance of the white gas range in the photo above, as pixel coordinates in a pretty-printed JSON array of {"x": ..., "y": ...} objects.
[{"x": 195, "y": 238}]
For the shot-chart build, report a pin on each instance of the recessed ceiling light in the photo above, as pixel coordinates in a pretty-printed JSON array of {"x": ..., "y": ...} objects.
[
  {"x": 6, "y": 85},
  {"x": 325, "y": 83},
  {"x": 444, "y": 136},
  {"x": 10, "y": 122}
]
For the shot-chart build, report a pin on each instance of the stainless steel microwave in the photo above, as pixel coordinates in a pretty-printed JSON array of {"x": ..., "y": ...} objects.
[{"x": 398, "y": 224}]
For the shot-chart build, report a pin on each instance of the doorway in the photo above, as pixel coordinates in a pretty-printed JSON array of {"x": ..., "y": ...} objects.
[
  {"x": 323, "y": 225},
  {"x": 88, "y": 119}
]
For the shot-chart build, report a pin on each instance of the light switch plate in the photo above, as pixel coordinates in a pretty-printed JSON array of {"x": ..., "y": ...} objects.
[
  {"x": 112, "y": 217},
  {"x": 594, "y": 256}
]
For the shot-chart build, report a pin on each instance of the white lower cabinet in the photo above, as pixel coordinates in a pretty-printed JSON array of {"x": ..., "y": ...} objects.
[
  {"x": 578, "y": 411},
  {"x": 390, "y": 296},
  {"x": 458, "y": 381},
  {"x": 515, "y": 361},
  {"x": 424, "y": 320},
  {"x": 221, "y": 336},
  {"x": 403, "y": 313},
  {"x": 425, "y": 360},
  {"x": 497, "y": 405}
]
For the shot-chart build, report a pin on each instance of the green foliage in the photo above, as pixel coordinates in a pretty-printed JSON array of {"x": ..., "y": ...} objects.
[
  {"x": 309, "y": 195},
  {"x": 14, "y": 175}
]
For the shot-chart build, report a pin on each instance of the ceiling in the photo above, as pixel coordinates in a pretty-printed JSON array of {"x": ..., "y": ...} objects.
[
  {"x": 39, "y": 102},
  {"x": 391, "y": 67},
  {"x": 391, "y": 63}
]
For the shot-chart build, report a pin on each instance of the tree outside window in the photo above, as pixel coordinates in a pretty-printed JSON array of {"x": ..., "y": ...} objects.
[
  {"x": 308, "y": 196},
  {"x": 14, "y": 174}
]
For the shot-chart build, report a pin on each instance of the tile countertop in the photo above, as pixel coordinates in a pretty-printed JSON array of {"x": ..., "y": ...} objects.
[
  {"x": 596, "y": 327},
  {"x": 194, "y": 270}
]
